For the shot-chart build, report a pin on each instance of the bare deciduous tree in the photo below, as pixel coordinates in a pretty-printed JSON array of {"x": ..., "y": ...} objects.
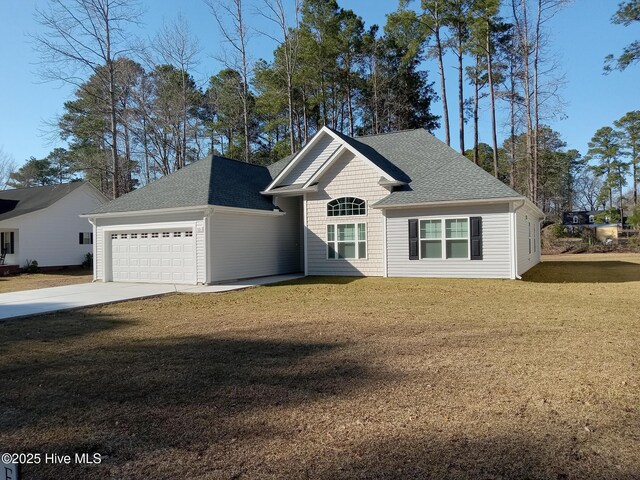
[
  {"x": 276, "y": 12},
  {"x": 174, "y": 45},
  {"x": 229, "y": 16},
  {"x": 86, "y": 37},
  {"x": 7, "y": 167}
]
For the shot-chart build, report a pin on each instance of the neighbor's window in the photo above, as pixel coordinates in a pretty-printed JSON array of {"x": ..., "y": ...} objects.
[
  {"x": 452, "y": 242},
  {"x": 341, "y": 207},
  {"x": 7, "y": 242},
  {"x": 347, "y": 241},
  {"x": 592, "y": 218},
  {"x": 86, "y": 238},
  {"x": 576, "y": 219}
]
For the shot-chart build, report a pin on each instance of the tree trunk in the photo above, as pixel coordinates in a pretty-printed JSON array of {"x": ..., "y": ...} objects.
[
  {"x": 492, "y": 99},
  {"x": 476, "y": 103},
  {"x": 635, "y": 175},
  {"x": 443, "y": 86},
  {"x": 114, "y": 133},
  {"x": 536, "y": 106},
  {"x": 461, "y": 91}
]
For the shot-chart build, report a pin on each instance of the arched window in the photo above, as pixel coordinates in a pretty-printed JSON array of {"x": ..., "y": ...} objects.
[
  {"x": 341, "y": 207},
  {"x": 576, "y": 219}
]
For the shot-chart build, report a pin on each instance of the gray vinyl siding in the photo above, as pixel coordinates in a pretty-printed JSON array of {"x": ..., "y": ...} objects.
[
  {"x": 496, "y": 262},
  {"x": 247, "y": 245},
  {"x": 347, "y": 177},
  {"x": 312, "y": 160},
  {"x": 527, "y": 259},
  {"x": 139, "y": 222}
]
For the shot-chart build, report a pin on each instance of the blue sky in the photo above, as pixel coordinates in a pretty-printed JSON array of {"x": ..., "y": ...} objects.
[{"x": 581, "y": 37}]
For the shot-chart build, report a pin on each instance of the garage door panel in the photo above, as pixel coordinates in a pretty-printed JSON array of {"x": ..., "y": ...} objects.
[{"x": 154, "y": 256}]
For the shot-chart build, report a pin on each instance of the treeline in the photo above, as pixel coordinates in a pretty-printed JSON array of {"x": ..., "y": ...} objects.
[
  {"x": 132, "y": 121},
  {"x": 138, "y": 113}
]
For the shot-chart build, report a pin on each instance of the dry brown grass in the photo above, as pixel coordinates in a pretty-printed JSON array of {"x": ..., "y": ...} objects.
[
  {"x": 340, "y": 378},
  {"x": 32, "y": 281}
]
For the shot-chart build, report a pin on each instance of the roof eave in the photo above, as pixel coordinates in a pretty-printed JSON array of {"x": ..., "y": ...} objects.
[
  {"x": 298, "y": 191},
  {"x": 484, "y": 201},
  {"x": 133, "y": 213}
]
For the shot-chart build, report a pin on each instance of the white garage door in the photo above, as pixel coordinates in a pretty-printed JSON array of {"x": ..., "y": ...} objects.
[{"x": 166, "y": 256}]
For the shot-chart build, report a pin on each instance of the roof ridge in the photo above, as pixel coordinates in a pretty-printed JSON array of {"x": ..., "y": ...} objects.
[
  {"x": 236, "y": 160},
  {"x": 389, "y": 133},
  {"x": 43, "y": 186}
]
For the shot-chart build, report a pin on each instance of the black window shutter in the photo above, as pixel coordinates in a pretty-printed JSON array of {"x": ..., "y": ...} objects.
[
  {"x": 11, "y": 243},
  {"x": 80, "y": 238},
  {"x": 413, "y": 239},
  {"x": 476, "y": 238},
  {"x": 91, "y": 238},
  {"x": 2, "y": 241}
]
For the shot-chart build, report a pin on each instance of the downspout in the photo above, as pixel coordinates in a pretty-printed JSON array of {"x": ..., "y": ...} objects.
[
  {"x": 208, "y": 240},
  {"x": 514, "y": 236},
  {"x": 94, "y": 247}
]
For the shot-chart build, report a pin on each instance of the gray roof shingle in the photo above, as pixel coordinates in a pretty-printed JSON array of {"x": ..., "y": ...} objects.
[
  {"x": 432, "y": 171},
  {"x": 436, "y": 172},
  {"x": 213, "y": 180},
  {"x": 20, "y": 201}
]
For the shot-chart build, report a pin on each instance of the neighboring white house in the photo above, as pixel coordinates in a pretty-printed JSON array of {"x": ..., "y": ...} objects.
[
  {"x": 44, "y": 224},
  {"x": 399, "y": 204}
]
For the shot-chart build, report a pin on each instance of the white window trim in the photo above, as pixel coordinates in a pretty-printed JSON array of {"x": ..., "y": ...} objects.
[
  {"x": 332, "y": 218},
  {"x": 443, "y": 239},
  {"x": 356, "y": 241}
]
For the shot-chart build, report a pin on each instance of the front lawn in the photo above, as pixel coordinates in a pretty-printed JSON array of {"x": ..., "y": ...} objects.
[
  {"x": 31, "y": 281},
  {"x": 340, "y": 378}
]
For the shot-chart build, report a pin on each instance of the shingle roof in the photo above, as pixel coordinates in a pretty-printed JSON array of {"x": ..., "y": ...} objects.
[
  {"x": 433, "y": 172},
  {"x": 436, "y": 172},
  {"x": 20, "y": 201},
  {"x": 360, "y": 145},
  {"x": 213, "y": 180},
  {"x": 277, "y": 167}
]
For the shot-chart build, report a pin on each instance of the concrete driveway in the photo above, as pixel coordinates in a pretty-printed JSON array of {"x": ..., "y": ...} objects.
[{"x": 54, "y": 299}]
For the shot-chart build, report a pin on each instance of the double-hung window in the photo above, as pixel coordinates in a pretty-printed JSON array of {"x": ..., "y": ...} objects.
[
  {"x": 347, "y": 241},
  {"x": 457, "y": 237},
  {"x": 452, "y": 241},
  {"x": 431, "y": 239}
]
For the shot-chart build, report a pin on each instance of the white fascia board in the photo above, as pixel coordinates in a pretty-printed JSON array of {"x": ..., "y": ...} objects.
[
  {"x": 205, "y": 209},
  {"x": 158, "y": 211},
  {"x": 330, "y": 161},
  {"x": 296, "y": 159},
  {"x": 248, "y": 211},
  {"x": 289, "y": 193},
  {"x": 487, "y": 201}
]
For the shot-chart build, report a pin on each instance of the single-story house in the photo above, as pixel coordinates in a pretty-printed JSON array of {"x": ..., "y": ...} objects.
[
  {"x": 399, "y": 204},
  {"x": 44, "y": 224}
]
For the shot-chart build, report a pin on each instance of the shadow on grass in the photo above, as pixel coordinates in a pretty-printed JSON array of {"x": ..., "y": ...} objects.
[
  {"x": 583, "y": 272},
  {"x": 55, "y": 327},
  {"x": 518, "y": 455},
  {"x": 318, "y": 280},
  {"x": 129, "y": 398}
]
